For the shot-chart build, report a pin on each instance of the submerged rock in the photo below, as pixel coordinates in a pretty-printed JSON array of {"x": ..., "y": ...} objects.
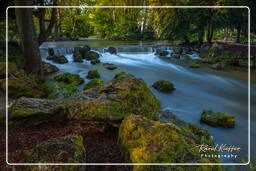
[
  {"x": 95, "y": 61},
  {"x": 109, "y": 66},
  {"x": 58, "y": 59},
  {"x": 145, "y": 141},
  {"x": 91, "y": 55},
  {"x": 218, "y": 119},
  {"x": 49, "y": 68},
  {"x": 93, "y": 83},
  {"x": 164, "y": 86},
  {"x": 93, "y": 74},
  {"x": 69, "y": 78},
  {"x": 67, "y": 149},
  {"x": 112, "y": 50}
]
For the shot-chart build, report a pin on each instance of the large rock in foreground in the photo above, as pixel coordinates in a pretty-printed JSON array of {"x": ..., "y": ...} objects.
[
  {"x": 218, "y": 119},
  {"x": 113, "y": 101},
  {"x": 146, "y": 141},
  {"x": 67, "y": 149}
]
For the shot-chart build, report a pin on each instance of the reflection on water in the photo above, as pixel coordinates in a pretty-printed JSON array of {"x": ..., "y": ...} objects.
[{"x": 196, "y": 89}]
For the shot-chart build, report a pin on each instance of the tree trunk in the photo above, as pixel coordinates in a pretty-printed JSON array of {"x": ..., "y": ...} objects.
[
  {"x": 209, "y": 34},
  {"x": 201, "y": 35},
  {"x": 186, "y": 39},
  {"x": 238, "y": 33},
  {"x": 31, "y": 56}
]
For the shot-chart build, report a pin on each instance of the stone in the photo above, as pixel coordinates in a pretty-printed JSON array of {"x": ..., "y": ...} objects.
[
  {"x": 109, "y": 66},
  {"x": 49, "y": 68},
  {"x": 77, "y": 55},
  {"x": 93, "y": 74},
  {"x": 218, "y": 119},
  {"x": 91, "y": 55},
  {"x": 146, "y": 141},
  {"x": 218, "y": 66},
  {"x": 95, "y": 61},
  {"x": 66, "y": 149},
  {"x": 161, "y": 52},
  {"x": 93, "y": 83},
  {"x": 69, "y": 78},
  {"x": 164, "y": 86},
  {"x": 51, "y": 52}
]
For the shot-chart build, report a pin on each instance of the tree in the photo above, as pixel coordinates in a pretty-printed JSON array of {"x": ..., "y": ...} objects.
[{"x": 31, "y": 55}]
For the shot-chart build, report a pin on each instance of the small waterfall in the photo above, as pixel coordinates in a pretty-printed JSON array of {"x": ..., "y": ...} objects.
[{"x": 64, "y": 50}]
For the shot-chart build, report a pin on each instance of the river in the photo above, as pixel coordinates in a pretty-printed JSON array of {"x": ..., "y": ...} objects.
[{"x": 196, "y": 89}]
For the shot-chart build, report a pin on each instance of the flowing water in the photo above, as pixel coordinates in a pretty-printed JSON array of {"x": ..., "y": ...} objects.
[{"x": 196, "y": 89}]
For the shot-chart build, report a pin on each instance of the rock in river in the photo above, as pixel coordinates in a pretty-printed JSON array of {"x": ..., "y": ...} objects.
[
  {"x": 69, "y": 78},
  {"x": 218, "y": 119},
  {"x": 58, "y": 59},
  {"x": 49, "y": 68},
  {"x": 164, "y": 86}
]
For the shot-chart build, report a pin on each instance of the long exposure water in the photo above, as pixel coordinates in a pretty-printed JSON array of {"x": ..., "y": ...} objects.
[{"x": 196, "y": 89}]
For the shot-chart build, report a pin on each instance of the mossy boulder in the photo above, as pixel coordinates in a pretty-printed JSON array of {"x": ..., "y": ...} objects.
[
  {"x": 36, "y": 111},
  {"x": 164, "y": 86},
  {"x": 93, "y": 74},
  {"x": 77, "y": 55},
  {"x": 49, "y": 68},
  {"x": 91, "y": 55},
  {"x": 160, "y": 52},
  {"x": 69, "y": 78},
  {"x": 58, "y": 59},
  {"x": 218, "y": 119},
  {"x": 113, "y": 101},
  {"x": 145, "y": 141},
  {"x": 122, "y": 75},
  {"x": 23, "y": 85},
  {"x": 66, "y": 149},
  {"x": 109, "y": 66},
  {"x": 93, "y": 83},
  {"x": 194, "y": 64},
  {"x": 12, "y": 69},
  {"x": 95, "y": 61},
  {"x": 112, "y": 50},
  {"x": 175, "y": 55}
]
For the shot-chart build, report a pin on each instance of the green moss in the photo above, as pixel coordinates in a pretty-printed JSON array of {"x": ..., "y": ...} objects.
[
  {"x": 122, "y": 75},
  {"x": 164, "y": 86},
  {"x": 58, "y": 59},
  {"x": 95, "y": 61},
  {"x": 109, "y": 66},
  {"x": 23, "y": 112},
  {"x": 93, "y": 83},
  {"x": 145, "y": 141},
  {"x": 218, "y": 119},
  {"x": 12, "y": 69},
  {"x": 69, "y": 78},
  {"x": 194, "y": 64},
  {"x": 93, "y": 74}
]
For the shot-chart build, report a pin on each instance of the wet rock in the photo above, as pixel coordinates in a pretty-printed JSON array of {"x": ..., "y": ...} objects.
[
  {"x": 160, "y": 52},
  {"x": 86, "y": 48},
  {"x": 95, "y": 61},
  {"x": 112, "y": 50},
  {"x": 145, "y": 141},
  {"x": 22, "y": 85},
  {"x": 66, "y": 149},
  {"x": 69, "y": 78},
  {"x": 218, "y": 66},
  {"x": 49, "y": 68},
  {"x": 164, "y": 86},
  {"x": 91, "y": 55},
  {"x": 177, "y": 50},
  {"x": 109, "y": 66},
  {"x": 58, "y": 59},
  {"x": 51, "y": 52},
  {"x": 218, "y": 119},
  {"x": 93, "y": 83},
  {"x": 77, "y": 55},
  {"x": 176, "y": 55},
  {"x": 93, "y": 74},
  {"x": 113, "y": 101}
]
